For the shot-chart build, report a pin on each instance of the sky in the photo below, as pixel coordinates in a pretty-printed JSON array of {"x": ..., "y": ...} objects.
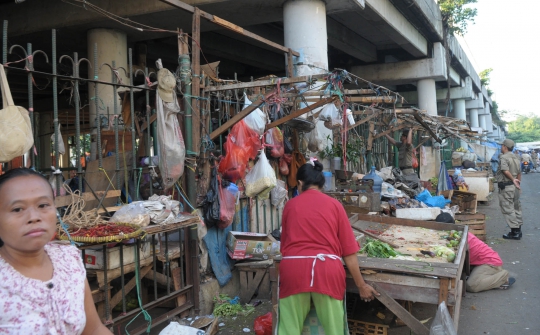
[{"x": 505, "y": 37}]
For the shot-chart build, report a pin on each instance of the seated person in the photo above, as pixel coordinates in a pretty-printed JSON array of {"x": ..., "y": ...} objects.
[
  {"x": 487, "y": 273},
  {"x": 525, "y": 157}
]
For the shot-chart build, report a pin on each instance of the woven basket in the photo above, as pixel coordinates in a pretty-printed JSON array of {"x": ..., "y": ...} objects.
[{"x": 106, "y": 239}]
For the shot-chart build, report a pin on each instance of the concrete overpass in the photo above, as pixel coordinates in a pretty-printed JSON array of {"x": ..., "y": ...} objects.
[{"x": 398, "y": 43}]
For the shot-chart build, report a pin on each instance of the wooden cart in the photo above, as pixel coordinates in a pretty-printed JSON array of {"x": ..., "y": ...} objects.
[{"x": 405, "y": 280}]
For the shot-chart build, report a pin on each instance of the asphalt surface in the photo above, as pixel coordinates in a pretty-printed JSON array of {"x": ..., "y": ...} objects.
[{"x": 516, "y": 310}]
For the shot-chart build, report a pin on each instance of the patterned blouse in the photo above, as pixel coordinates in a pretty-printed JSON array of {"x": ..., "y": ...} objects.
[{"x": 56, "y": 306}]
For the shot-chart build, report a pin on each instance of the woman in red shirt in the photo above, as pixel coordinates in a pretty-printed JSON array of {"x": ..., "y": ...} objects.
[{"x": 316, "y": 235}]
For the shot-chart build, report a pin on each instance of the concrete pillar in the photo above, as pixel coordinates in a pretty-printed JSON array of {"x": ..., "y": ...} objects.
[
  {"x": 111, "y": 46},
  {"x": 482, "y": 119},
  {"x": 460, "y": 113},
  {"x": 304, "y": 25},
  {"x": 473, "y": 117},
  {"x": 427, "y": 95},
  {"x": 489, "y": 123}
]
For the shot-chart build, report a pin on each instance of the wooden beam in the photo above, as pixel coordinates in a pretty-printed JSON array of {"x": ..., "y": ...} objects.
[
  {"x": 228, "y": 25},
  {"x": 236, "y": 118},
  {"x": 391, "y": 130},
  {"x": 267, "y": 82},
  {"x": 370, "y": 136},
  {"x": 65, "y": 200},
  {"x": 153, "y": 118},
  {"x": 388, "y": 100},
  {"x": 299, "y": 112},
  {"x": 413, "y": 323},
  {"x": 363, "y": 121},
  {"x": 419, "y": 119},
  {"x": 128, "y": 287},
  {"x": 290, "y": 67}
]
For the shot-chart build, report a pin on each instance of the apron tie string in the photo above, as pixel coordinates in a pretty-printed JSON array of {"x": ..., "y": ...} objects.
[{"x": 320, "y": 257}]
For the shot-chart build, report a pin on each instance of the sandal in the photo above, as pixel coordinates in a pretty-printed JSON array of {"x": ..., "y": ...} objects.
[{"x": 506, "y": 286}]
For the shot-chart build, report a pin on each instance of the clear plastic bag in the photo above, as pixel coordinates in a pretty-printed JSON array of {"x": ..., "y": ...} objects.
[
  {"x": 278, "y": 193},
  {"x": 274, "y": 141},
  {"x": 255, "y": 120},
  {"x": 329, "y": 112},
  {"x": 442, "y": 323},
  {"x": 133, "y": 213},
  {"x": 261, "y": 179},
  {"x": 315, "y": 142}
]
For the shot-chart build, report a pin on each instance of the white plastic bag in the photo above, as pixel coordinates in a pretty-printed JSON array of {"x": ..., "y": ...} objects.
[
  {"x": 329, "y": 112},
  {"x": 255, "y": 120},
  {"x": 261, "y": 179},
  {"x": 61, "y": 146},
  {"x": 133, "y": 213},
  {"x": 315, "y": 142},
  {"x": 174, "y": 328},
  {"x": 278, "y": 193},
  {"x": 442, "y": 323}
]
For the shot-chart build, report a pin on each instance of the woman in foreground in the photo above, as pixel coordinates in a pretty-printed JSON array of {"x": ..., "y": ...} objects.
[{"x": 43, "y": 286}]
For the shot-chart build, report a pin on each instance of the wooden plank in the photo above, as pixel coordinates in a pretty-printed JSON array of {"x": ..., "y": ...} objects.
[
  {"x": 361, "y": 122},
  {"x": 406, "y": 222},
  {"x": 353, "y": 218},
  {"x": 391, "y": 130},
  {"x": 419, "y": 119},
  {"x": 227, "y": 25},
  {"x": 299, "y": 112},
  {"x": 447, "y": 270},
  {"x": 65, "y": 200},
  {"x": 128, "y": 287},
  {"x": 465, "y": 217},
  {"x": 290, "y": 64},
  {"x": 109, "y": 209},
  {"x": 161, "y": 279},
  {"x": 443, "y": 290},
  {"x": 153, "y": 118},
  {"x": 252, "y": 284},
  {"x": 177, "y": 284},
  {"x": 382, "y": 239},
  {"x": 115, "y": 273},
  {"x": 380, "y": 99},
  {"x": 243, "y": 283},
  {"x": 236, "y": 118},
  {"x": 370, "y": 136},
  {"x": 266, "y": 82},
  {"x": 457, "y": 307},
  {"x": 154, "y": 229},
  {"x": 413, "y": 323}
]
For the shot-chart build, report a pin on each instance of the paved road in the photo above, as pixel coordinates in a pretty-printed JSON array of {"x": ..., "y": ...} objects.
[{"x": 517, "y": 310}]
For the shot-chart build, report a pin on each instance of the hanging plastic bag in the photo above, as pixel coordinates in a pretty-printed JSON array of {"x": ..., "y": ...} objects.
[
  {"x": 233, "y": 166},
  {"x": 61, "y": 145},
  {"x": 274, "y": 141},
  {"x": 210, "y": 205},
  {"x": 246, "y": 138},
  {"x": 315, "y": 142},
  {"x": 172, "y": 150},
  {"x": 263, "y": 324},
  {"x": 15, "y": 127},
  {"x": 329, "y": 112},
  {"x": 414, "y": 160},
  {"x": 255, "y": 120},
  {"x": 227, "y": 201},
  {"x": 278, "y": 193},
  {"x": 52, "y": 181},
  {"x": 283, "y": 166},
  {"x": 261, "y": 179}
]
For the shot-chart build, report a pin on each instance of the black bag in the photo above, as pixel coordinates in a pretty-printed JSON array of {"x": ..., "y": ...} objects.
[{"x": 211, "y": 207}]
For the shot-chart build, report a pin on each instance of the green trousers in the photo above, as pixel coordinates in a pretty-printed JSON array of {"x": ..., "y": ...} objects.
[
  {"x": 511, "y": 206},
  {"x": 294, "y": 309}
]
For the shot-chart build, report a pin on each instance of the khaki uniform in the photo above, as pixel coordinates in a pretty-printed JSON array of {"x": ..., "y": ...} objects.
[
  {"x": 508, "y": 193},
  {"x": 405, "y": 158},
  {"x": 534, "y": 157},
  {"x": 486, "y": 277}
]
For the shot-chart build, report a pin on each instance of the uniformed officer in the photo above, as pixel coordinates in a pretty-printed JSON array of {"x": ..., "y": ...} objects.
[
  {"x": 405, "y": 157},
  {"x": 508, "y": 178},
  {"x": 534, "y": 157}
]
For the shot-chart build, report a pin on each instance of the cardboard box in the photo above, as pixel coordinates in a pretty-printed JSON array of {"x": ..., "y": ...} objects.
[
  {"x": 93, "y": 258},
  {"x": 242, "y": 245}
]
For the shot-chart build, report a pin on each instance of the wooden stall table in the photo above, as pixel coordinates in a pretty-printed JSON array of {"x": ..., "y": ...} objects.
[{"x": 405, "y": 279}]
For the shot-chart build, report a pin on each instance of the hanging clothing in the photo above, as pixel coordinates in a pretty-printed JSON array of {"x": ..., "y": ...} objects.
[{"x": 53, "y": 307}]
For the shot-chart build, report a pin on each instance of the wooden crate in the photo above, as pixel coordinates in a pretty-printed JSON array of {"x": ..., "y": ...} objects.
[
  {"x": 365, "y": 328},
  {"x": 475, "y": 222},
  {"x": 466, "y": 201}
]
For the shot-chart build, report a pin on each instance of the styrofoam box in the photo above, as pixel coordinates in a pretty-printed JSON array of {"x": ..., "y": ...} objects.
[
  {"x": 93, "y": 258},
  {"x": 418, "y": 213}
]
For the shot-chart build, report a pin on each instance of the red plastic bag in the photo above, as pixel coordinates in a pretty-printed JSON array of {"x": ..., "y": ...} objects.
[
  {"x": 233, "y": 166},
  {"x": 246, "y": 138},
  {"x": 414, "y": 160},
  {"x": 274, "y": 141},
  {"x": 263, "y": 324},
  {"x": 283, "y": 167},
  {"x": 227, "y": 202}
]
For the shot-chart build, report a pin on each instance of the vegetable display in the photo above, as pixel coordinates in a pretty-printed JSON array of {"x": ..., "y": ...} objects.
[
  {"x": 378, "y": 249},
  {"x": 103, "y": 230},
  {"x": 225, "y": 306}
]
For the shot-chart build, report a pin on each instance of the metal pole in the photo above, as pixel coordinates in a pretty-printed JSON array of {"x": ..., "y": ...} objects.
[{"x": 55, "y": 111}]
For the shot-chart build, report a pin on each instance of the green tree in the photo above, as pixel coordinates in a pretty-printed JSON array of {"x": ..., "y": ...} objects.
[
  {"x": 524, "y": 129},
  {"x": 484, "y": 76},
  {"x": 457, "y": 15}
]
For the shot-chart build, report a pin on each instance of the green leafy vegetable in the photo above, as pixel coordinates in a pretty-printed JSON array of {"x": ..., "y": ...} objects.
[{"x": 378, "y": 249}]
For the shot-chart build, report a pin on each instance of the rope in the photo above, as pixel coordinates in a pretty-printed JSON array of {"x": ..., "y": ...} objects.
[
  {"x": 147, "y": 316},
  {"x": 109, "y": 179}
]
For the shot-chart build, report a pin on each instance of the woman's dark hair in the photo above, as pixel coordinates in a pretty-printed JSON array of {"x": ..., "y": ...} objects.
[
  {"x": 15, "y": 173},
  {"x": 311, "y": 175}
]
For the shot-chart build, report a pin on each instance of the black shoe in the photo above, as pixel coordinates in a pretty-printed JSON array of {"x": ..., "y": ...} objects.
[
  {"x": 506, "y": 286},
  {"x": 513, "y": 235}
]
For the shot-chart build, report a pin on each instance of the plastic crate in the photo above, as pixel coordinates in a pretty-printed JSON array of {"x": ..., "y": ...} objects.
[{"x": 365, "y": 328}]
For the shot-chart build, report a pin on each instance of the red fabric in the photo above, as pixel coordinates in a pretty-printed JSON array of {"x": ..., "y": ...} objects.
[
  {"x": 480, "y": 253},
  {"x": 314, "y": 223}
]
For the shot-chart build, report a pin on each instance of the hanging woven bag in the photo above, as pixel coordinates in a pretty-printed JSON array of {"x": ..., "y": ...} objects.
[{"x": 15, "y": 128}]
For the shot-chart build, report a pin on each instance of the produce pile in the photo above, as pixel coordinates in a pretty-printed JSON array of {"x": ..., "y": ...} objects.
[
  {"x": 378, "y": 249},
  {"x": 103, "y": 230},
  {"x": 225, "y": 306}
]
